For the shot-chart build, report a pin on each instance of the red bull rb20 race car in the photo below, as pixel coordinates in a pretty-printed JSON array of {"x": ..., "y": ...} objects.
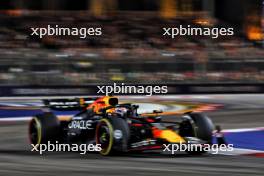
[{"x": 116, "y": 127}]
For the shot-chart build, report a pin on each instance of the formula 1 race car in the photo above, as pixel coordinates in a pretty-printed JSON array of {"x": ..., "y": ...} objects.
[{"x": 117, "y": 127}]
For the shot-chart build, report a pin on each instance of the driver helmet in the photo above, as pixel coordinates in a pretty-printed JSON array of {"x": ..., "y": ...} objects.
[{"x": 121, "y": 111}]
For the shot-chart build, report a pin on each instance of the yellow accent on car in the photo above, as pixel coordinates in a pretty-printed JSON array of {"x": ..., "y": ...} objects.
[
  {"x": 171, "y": 136},
  {"x": 111, "y": 138},
  {"x": 38, "y": 130}
]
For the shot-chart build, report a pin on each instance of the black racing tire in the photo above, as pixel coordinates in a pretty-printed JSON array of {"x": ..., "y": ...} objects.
[
  {"x": 112, "y": 134},
  {"x": 204, "y": 127},
  {"x": 43, "y": 128},
  {"x": 201, "y": 127}
]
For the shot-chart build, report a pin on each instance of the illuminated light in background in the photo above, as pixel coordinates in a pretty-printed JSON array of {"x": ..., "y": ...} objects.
[
  {"x": 254, "y": 33},
  {"x": 97, "y": 7},
  {"x": 254, "y": 23},
  {"x": 206, "y": 21},
  {"x": 168, "y": 8},
  {"x": 262, "y": 23},
  {"x": 102, "y": 7},
  {"x": 17, "y": 12}
]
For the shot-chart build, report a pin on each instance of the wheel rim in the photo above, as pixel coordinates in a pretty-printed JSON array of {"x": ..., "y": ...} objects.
[
  {"x": 104, "y": 136},
  {"x": 35, "y": 132}
]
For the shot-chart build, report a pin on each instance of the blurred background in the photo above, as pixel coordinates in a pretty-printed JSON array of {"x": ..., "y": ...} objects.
[{"x": 132, "y": 48}]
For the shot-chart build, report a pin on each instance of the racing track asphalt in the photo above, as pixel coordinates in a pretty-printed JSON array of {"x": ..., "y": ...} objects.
[{"x": 17, "y": 159}]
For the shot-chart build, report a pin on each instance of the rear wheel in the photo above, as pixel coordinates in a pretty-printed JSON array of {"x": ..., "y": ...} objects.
[
  {"x": 113, "y": 135},
  {"x": 43, "y": 128}
]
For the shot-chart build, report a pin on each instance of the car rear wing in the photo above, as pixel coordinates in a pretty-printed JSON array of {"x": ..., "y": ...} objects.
[{"x": 68, "y": 104}]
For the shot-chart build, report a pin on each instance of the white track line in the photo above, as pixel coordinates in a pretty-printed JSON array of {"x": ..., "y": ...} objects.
[
  {"x": 240, "y": 151},
  {"x": 243, "y": 130}
]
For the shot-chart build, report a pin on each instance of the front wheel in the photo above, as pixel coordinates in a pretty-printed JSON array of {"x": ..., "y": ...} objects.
[
  {"x": 204, "y": 127},
  {"x": 199, "y": 126}
]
